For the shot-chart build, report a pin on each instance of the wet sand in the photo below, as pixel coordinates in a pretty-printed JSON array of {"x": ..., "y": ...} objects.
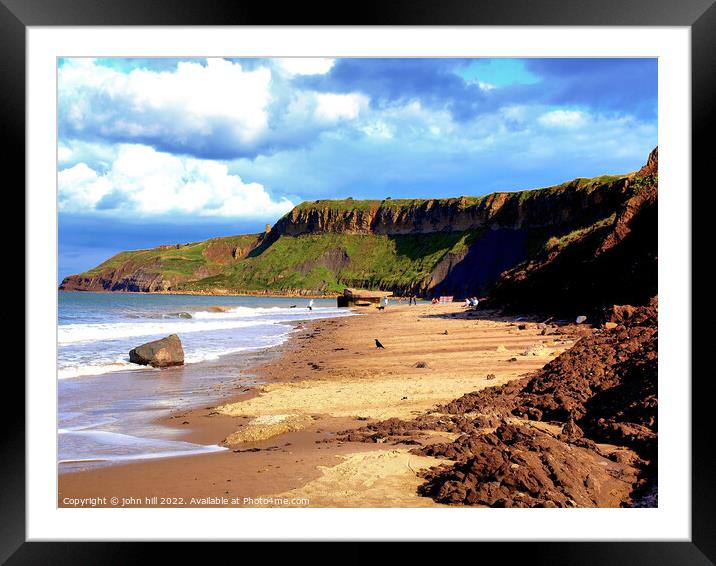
[{"x": 329, "y": 378}]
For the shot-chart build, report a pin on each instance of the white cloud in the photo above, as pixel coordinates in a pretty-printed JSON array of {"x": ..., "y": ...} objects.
[
  {"x": 378, "y": 129},
  {"x": 193, "y": 105},
  {"x": 82, "y": 187},
  {"x": 333, "y": 107},
  {"x": 64, "y": 153},
  {"x": 305, "y": 65},
  {"x": 563, "y": 119},
  {"x": 148, "y": 182}
]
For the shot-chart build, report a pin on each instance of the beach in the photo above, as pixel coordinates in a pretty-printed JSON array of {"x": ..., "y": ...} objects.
[{"x": 281, "y": 435}]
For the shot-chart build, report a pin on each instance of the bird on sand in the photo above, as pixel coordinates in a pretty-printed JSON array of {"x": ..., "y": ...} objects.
[{"x": 378, "y": 344}]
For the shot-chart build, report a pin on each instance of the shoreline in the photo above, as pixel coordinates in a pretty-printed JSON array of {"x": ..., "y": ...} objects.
[{"x": 330, "y": 376}]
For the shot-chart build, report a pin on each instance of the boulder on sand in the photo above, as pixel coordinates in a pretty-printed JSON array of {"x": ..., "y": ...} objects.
[{"x": 159, "y": 353}]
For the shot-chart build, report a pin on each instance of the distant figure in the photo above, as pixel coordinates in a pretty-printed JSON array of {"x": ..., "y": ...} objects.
[
  {"x": 310, "y": 305},
  {"x": 385, "y": 302},
  {"x": 435, "y": 301},
  {"x": 468, "y": 302},
  {"x": 378, "y": 344},
  {"x": 413, "y": 299}
]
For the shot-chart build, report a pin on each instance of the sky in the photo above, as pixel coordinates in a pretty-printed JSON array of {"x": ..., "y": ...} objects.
[{"x": 157, "y": 151}]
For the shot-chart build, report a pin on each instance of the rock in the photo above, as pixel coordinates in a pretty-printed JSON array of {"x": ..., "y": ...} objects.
[
  {"x": 159, "y": 353},
  {"x": 518, "y": 466},
  {"x": 610, "y": 325},
  {"x": 619, "y": 313},
  {"x": 422, "y": 365},
  {"x": 521, "y": 327},
  {"x": 570, "y": 431},
  {"x": 581, "y": 319}
]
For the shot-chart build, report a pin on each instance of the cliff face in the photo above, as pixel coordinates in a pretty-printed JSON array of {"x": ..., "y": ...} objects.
[
  {"x": 135, "y": 280},
  {"x": 609, "y": 263},
  {"x": 579, "y": 202},
  {"x": 528, "y": 249}
]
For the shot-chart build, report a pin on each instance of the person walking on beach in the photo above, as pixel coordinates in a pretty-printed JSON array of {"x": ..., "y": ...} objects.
[
  {"x": 310, "y": 305},
  {"x": 385, "y": 302}
]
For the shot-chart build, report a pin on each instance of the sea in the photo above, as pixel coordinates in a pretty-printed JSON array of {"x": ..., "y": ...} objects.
[{"x": 108, "y": 407}]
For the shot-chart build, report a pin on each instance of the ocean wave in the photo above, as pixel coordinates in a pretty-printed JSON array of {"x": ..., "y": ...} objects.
[
  {"x": 190, "y": 357},
  {"x": 207, "y": 355},
  {"x": 73, "y": 333},
  {"x": 97, "y": 348},
  {"x": 100, "y": 445},
  {"x": 279, "y": 313},
  {"x": 70, "y": 372},
  {"x": 182, "y": 314}
]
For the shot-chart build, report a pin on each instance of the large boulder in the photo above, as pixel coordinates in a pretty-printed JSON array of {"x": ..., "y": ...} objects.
[{"x": 159, "y": 353}]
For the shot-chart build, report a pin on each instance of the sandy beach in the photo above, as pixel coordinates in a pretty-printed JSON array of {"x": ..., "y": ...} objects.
[{"x": 329, "y": 378}]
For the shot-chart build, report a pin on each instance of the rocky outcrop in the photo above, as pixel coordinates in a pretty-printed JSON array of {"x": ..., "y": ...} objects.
[
  {"x": 121, "y": 279},
  {"x": 611, "y": 261},
  {"x": 159, "y": 353},
  {"x": 596, "y": 444},
  {"x": 520, "y": 466},
  {"x": 652, "y": 164}
]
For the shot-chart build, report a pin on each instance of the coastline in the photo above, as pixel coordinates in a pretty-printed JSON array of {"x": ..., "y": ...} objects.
[
  {"x": 331, "y": 378},
  {"x": 214, "y": 293}
]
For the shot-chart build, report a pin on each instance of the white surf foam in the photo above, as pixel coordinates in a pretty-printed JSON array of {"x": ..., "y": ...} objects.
[
  {"x": 192, "y": 356},
  {"x": 277, "y": 314},
  {"x": 74, "y": 333},
  {"x": 100, "y": 445},
  {"x": 97, "y": 369}
]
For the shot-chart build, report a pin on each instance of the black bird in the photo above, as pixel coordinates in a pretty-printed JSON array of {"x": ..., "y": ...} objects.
[{"x": 378, "y": 344}]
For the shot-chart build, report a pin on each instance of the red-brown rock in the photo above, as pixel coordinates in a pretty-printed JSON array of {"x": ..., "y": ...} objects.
[{"x": 159, "y": 353}]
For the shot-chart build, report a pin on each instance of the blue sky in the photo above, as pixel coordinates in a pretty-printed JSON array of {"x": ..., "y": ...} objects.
[{"x": 154, "y": 151}]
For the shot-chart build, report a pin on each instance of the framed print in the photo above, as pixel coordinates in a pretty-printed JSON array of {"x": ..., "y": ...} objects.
[{"x": 422, "y": 275}]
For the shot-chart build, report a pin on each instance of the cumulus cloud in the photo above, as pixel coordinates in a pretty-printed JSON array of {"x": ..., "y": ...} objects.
[
  {"x": 305, "y": 65},
  {"x": 563, "y": 119},
  {"x": 144, "y": 181},
  {"x": 334, "y": 107},
  {"x": 192, "y": 109}
]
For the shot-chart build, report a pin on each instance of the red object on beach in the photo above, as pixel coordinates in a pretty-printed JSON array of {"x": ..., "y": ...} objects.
[{"x": 445, "y": 299}]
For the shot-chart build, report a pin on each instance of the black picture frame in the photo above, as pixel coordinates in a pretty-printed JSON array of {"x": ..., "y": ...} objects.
[{"x": 699, "y": 15}]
